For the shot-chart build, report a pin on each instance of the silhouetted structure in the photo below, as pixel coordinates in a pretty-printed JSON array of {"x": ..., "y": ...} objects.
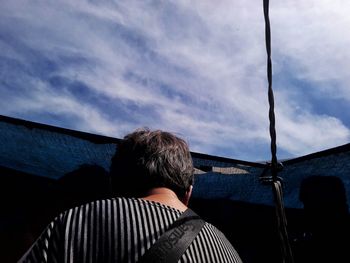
[
  {"x": 85, "y": 184},
  {"x": 325, "y": 236}
]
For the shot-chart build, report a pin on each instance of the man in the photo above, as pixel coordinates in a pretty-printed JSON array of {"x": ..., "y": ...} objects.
[{"x": 152, "y": 172}]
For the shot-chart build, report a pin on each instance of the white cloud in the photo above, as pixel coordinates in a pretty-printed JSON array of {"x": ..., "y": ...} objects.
[
  {"x": 306, "y": 133},
  {"x": 313, "y": 36},
  {"x": 209, "y": 55}
]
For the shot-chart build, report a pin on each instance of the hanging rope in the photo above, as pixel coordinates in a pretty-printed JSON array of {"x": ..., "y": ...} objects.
[
  {"x": 270, "y": 91},
  {"x": 274, "y": 166}
]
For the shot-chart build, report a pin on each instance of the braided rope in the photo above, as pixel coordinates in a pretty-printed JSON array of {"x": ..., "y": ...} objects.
[{"x": 276, "y": 181}]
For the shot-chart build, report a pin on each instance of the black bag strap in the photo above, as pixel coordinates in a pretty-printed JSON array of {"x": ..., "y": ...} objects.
[{"x": 174, "y": 242}]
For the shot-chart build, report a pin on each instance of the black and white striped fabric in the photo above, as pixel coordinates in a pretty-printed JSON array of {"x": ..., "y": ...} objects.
[{"x": 121, "y": 230}]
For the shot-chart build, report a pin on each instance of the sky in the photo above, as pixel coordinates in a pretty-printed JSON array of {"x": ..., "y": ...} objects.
[{"x": 195, "y": 68}]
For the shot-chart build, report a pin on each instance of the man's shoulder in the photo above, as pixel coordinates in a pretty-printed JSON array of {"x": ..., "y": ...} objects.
[
  {"x": 213, "y": 229},
  {"x": 216, "y": 247},
  {"x": 214, "y": 235},
  {"x": 100, "y": 202},
  {"x": 116, "y": 203}
]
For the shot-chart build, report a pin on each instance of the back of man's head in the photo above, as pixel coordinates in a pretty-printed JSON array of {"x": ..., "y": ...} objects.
[{"x": 148, "y": 159}]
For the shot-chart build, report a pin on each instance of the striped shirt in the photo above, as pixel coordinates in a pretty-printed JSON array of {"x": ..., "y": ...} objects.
[{"x": 121, "y": 230}]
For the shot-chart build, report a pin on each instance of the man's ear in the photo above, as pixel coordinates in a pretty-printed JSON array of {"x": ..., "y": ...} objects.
[{"x": 187, "y": 196}]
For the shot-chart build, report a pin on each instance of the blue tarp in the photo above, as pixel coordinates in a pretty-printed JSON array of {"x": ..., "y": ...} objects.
[{"x": 52, "y": 152}]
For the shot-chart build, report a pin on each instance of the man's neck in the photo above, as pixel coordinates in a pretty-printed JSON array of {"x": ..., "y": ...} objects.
[{"x": 165, "y": 196}]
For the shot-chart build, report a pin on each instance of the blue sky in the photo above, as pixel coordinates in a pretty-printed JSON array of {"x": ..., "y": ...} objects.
[{"x": 196, "y": 68}]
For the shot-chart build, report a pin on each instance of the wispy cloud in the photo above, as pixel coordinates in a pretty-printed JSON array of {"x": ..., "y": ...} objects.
[{"x": 193, "y": 67}]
